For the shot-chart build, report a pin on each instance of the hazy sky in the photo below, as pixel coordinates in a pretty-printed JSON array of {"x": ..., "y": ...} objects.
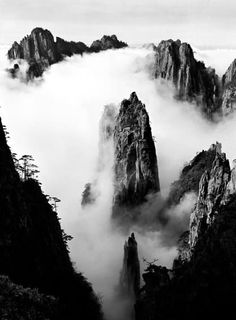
[{"x": 201, "y": 22}]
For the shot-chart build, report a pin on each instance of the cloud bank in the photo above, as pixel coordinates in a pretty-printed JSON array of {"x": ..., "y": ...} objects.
[{"x": 56, "y": 120}]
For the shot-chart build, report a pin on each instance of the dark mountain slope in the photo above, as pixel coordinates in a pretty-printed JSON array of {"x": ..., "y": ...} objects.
[{"x": 33, "y": 250}]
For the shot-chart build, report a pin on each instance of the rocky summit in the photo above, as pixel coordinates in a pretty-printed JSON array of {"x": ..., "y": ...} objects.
[
  {"x": 107, "y": 42},
  {"x": 135, "y": 164},
  {"x": 40, "y": 50},
  {"x": 193, "y": 82}
]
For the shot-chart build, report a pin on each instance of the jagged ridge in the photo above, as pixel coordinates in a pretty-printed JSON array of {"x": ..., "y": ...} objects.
[{"x": 40, "y": 50}]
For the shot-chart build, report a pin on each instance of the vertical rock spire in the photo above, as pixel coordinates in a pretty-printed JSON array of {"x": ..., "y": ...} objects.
[
  {"x": 136, "y": 171},
  {"x": 130, "y": 274}
]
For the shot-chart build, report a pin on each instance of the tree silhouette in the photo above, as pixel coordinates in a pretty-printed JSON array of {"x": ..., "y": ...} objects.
[
  {"x": 26, "y": 168},
  {"x": 6, "y": 132},
  {"x": 54, "y": 201}
]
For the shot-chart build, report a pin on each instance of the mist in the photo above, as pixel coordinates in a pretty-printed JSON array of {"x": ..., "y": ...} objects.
[{"x": 56, "y": 120}]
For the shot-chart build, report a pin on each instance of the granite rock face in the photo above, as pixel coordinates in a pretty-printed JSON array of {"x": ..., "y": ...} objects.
[
  {"x": 193, "y": 82},
  {"x": 215, "y": 184},
  {"x": 229, "y": 90},
  {"x": 130, "y": 274},
  {"x": 191, "y": 174},
  {"x": 33, "y": 247},
  {"x": 40, "y": 50},
  {"x": 212, "y": 189},
  {"x": 135, "y": 163},
  {"x": 204, "y": 275}
]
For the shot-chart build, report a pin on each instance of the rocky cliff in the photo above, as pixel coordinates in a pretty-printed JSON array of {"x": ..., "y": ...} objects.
[
  {"x": 130, "y": 273},
  {"x": 33, "y": 247},
  {"x": 193, "y": 82},
  {"x": 212, "y": 189},
  {"x": 135, "y": 163},
  {"x": 40, "y": 50},
  {"x": 204, "y": 275},
  {"x": 229, "y": 89},
  {"x": 191, "y": 174}
]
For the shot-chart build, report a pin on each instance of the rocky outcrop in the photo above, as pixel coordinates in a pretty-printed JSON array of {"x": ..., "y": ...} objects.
[
  {"x": 214, "y": 186},
  {"x": 229, "y": 90},
  {"x": 204, "y": 275},
  {"x": 212, "y": 189},
  {"x": 88, "y": 195},
  {"x": 130, "y": 274},
  {"x": 107, "y": 42},
  {"x": 40, "y": 50},
  {"x": 33, "y": 247},
  {"x": 191, "y": 174},
  {"x": 68, "y": 48},
  {"x": 175, "y": 62},
  {"x": 135, "y": 163}
]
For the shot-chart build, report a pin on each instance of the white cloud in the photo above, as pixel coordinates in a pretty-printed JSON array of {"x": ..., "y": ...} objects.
[{"x": 57, "y": 121}]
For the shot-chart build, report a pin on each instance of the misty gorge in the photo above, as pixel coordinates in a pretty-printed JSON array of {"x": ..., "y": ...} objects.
[{"x": 117, "y": 180}]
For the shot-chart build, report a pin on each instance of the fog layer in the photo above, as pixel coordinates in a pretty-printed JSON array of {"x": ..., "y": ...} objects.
[{"x": 56, "y": 120}]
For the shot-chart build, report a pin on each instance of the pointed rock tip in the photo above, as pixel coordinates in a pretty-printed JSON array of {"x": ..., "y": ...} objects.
[
  {"x": 217, "y": 147},
  {"x": 133, "y": 97}
]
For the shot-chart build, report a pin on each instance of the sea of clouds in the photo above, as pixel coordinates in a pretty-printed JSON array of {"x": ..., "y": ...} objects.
[{"x": 56, "y": 120}]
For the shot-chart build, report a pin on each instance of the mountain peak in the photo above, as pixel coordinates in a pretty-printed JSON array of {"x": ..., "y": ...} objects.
[{"x": 136, "y": 170}]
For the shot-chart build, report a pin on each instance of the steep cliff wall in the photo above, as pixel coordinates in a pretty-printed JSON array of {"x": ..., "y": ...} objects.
[
  {"x": 38, "y": 49},
  {"x": 135, "y": 164},
  {"x": 229, "y": 89},
  {"x": 203, "y": 280},
  {"x": 33, "y": 248},
  {"x": 193, "y": 82}
]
